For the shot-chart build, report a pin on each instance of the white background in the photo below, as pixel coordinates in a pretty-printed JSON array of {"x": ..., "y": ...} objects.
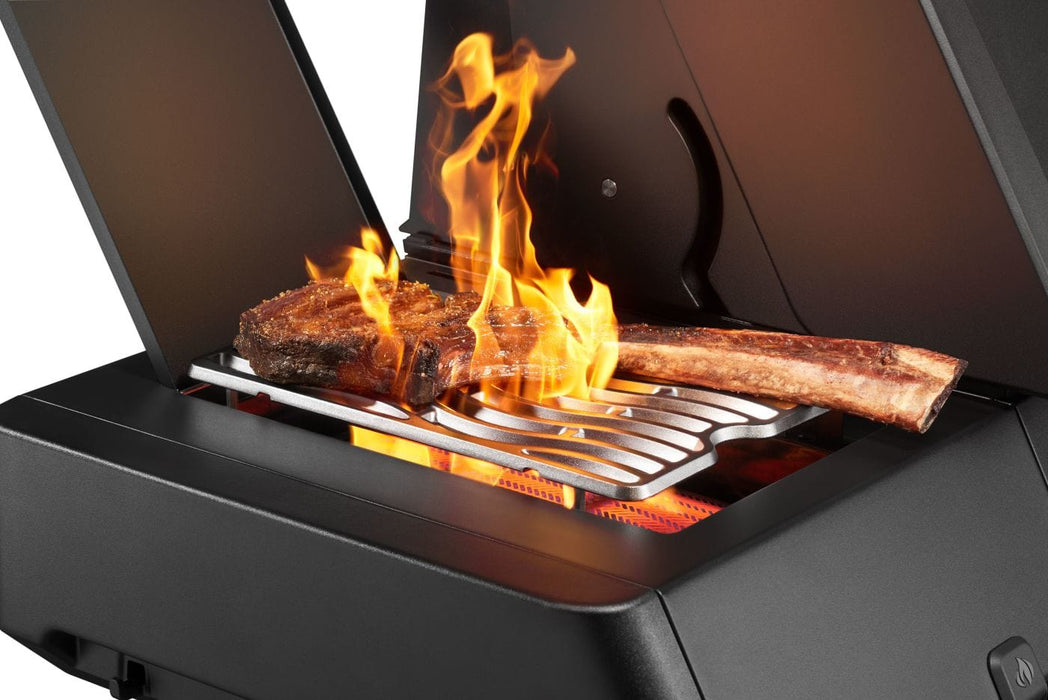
[{"x": 61, "y": 312}]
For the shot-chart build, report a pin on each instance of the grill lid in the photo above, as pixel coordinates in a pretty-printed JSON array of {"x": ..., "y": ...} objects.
[{"x": 203, "y": 149}]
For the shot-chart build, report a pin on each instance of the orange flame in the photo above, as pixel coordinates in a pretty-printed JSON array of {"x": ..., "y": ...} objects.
[
  {"x": 668, "y": 512},
  {"x": 407, "y": 450},
  {"x": 375, "y": 281},
  {"x": 573, "y": 344},
  {"x": 483, "y": 182}
]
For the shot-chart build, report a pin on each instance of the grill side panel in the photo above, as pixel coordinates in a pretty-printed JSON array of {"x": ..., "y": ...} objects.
[
  {"x": 131, "y": 542},
  {"x": 897, "y": 590}
]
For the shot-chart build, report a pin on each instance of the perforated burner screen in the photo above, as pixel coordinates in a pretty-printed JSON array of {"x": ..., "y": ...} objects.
[{"x": 627, "y": 442}]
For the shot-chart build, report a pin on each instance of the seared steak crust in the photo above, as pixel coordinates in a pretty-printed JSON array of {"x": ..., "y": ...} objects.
[{"x": 319, "y": 335}]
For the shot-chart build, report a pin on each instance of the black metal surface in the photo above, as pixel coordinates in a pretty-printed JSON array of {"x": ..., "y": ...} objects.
[
  {"x": 268, "y": 587},
  {"x": 123, "y": 393},
  {"x": 227, "y": 548},
  {"x": 997, "y": 56},
  {"x": 203, "y": 149},
  {"x": 1014, "y": 33},
  {"x": 897, "y": 590},
  {"x": 321, "y": 481},
  {"x": 123, "y": 676}
]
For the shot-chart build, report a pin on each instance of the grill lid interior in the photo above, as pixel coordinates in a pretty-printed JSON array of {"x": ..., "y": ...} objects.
[{"x": 204, "y": 150}]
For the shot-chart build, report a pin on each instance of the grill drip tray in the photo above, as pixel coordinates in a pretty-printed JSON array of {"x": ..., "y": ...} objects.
[{"x": 628, "y": 441}]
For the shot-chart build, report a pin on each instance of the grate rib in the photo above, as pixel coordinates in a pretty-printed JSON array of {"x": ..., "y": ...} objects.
[{"x": 627, "y": 442}]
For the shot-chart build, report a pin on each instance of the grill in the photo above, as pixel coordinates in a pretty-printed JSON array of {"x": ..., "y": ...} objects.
[
  {"x": 629, "y": 441},
  {"x": 173, "y": 526}
]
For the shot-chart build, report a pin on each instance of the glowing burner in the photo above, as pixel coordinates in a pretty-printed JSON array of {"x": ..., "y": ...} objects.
[{"x": 667, "y": 512}]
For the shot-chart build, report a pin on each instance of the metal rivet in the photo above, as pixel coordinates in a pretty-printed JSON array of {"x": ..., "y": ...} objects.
[{"x": 609, "y": 188}]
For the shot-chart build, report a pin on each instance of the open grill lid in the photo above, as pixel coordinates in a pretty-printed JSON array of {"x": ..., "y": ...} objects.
[
  {"x": 204, "y": 150},
  {"x": 864, "y": 169}
]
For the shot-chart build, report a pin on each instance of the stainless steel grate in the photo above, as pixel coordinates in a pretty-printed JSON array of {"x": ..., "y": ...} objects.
[{"x": 628, "y": 441}]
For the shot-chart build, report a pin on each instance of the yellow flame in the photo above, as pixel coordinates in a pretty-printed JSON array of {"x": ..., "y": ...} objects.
[
  {"x": 569, "y": 496},
  {"x": 483, "y": 182},
  {"x": 572, "y": 344},
  {"x": 366, "y": 270},
  {"x": 407, "y": 450},
  {"x": 417, "y": 453},
  {"x": 475, "y": 469},
  {"x": 374, "y": 273}
]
